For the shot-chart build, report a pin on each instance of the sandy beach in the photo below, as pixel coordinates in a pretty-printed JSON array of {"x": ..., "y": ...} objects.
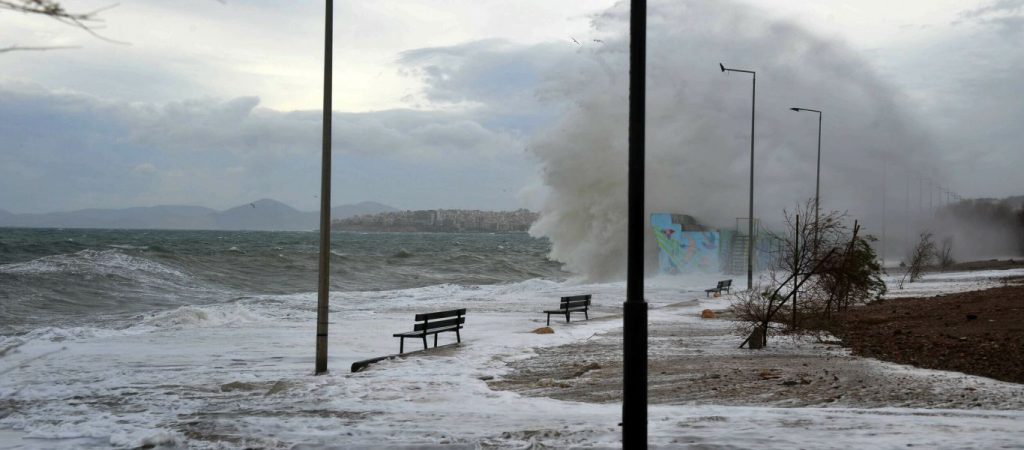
[{"x": 696, "y": 361}]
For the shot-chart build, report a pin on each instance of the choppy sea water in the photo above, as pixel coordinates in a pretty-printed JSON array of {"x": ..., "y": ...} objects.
[
  {"x": 205, "y": 340},
  {"x": 61, "y": 278}
]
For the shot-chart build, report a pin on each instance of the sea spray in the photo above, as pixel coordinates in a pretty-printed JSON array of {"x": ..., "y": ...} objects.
[{"x": 698, "y": 129}]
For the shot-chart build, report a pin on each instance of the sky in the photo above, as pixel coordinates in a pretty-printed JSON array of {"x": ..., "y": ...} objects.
[{"x": 462, "y": 104}]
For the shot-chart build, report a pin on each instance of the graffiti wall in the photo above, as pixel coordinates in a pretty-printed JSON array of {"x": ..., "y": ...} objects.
[
  {"x": 684, "y": 246},
  {"x": 682, "y": 251}
]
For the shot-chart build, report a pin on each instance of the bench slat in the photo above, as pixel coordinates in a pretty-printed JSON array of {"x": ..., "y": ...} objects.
[
  {"x": 563, "y": 311},
  {"x": 572, "y": 308},
  {"x": 439, "y": 324},
  {"x": 571, "y": 298},
  {"x": 428, "y": 332},
  {"x": 440, "y": 314}
]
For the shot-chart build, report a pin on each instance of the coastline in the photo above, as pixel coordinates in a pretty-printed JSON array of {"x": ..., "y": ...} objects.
[
  {"x": 200, "y": 377},
  {"x": 978, "y": 332},
  {"x": 695, "y": 361}
]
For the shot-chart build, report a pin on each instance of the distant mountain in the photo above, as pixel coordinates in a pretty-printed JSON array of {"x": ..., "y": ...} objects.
[
  {"x": 265, "y": 214},
  {"x": 165, "y": 216}
]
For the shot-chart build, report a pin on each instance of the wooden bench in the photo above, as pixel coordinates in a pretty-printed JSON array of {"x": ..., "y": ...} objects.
[
  {"x": 452, "y": 321},
  {"x": 570, "y": 304},
  {"x": 724, "y": 285}
]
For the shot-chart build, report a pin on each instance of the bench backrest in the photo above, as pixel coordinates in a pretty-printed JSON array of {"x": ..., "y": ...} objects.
[
  {"x": 574, "y": 301},
  {"x": 724, "y": 284},
  {"x": 430, "y": 320}
]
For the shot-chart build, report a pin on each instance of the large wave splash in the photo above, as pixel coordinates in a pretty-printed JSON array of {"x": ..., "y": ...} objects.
[{"x": 698, "y": 129}]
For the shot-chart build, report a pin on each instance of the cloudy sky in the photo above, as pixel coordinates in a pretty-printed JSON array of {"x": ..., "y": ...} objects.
[{"x": 453, "y": 104}]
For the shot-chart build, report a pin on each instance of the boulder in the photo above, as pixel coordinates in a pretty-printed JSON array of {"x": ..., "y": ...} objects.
[
  {"x": 543, "y": 330},
  {"x": 707, "y": 314}
]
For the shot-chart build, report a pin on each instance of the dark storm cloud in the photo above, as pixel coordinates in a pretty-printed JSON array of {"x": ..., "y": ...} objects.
[
  {"x": 1005, "y": 15},
  {"x": 64, "y": 150}
]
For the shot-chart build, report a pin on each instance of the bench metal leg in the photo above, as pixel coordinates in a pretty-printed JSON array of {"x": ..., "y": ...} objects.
[
  {"x": 457, "y": 337},
  {"x": 425, "y": 341},
  {"x": 585, "y": 315},
  {"x": 401, "y": 345},
  {"x": 549, "y": 319},
  {"x": 435, "y": 339},
  {"x": 567, "y": 317}
]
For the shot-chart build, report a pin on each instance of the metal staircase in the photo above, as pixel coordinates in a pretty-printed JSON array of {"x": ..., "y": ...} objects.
[{"x": 738, "y": 255}]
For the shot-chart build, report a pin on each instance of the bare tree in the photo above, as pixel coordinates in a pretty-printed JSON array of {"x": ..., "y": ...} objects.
[
  {"x": 920, "y": 257},
  {"x": 843, "y": 272},
  {"x": 945, "y": 254},
  {"x": 87, "y": 21}
]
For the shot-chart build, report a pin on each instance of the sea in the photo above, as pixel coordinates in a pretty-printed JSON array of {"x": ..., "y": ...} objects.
[
  {"x": 206, "y": 340},
  {"x": 71, "y": 277}
]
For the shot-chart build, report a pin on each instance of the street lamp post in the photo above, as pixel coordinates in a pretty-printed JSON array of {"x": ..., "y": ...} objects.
[
  {"x": 634, "y": 310},
  {"x": 931, "y": 199},
  {"x": 323, "y": 287},
  {"x": 750, "y": 212},
  {"x": 817, "y": 179}
]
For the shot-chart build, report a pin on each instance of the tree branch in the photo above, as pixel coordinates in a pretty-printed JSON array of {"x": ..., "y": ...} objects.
[
  {"x": 86, "y": 21},
  {"x": 19, "y": 48}
]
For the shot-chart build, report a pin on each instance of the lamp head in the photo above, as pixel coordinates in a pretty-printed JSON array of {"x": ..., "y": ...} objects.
[
  {"x": 722, "y": 66},
  {"x": 795, "y": 109}
]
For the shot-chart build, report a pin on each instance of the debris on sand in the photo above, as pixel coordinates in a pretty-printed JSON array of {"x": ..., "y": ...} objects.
[{"x": 587, "y": 368}]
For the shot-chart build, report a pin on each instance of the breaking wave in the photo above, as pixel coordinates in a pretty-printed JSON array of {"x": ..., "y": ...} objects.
[
  {"x": 698, "y": 138},
  {"x": 70, "y": 279}
]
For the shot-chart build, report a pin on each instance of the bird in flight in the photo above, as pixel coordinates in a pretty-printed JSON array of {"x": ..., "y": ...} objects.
[{"x": 575, "y": 41}]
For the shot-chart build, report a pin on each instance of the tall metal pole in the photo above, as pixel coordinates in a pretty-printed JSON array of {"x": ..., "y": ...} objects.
[
  {"x": 750, "y": 212},
  {"x": 323, "y": 287},
  {"x": 931, "y": 199},
  {"x": 921, "y": 196},
  {"x": 634, "y": 318},
  {"x": 884, "y": 180},
  {"x": 906, "y": 218},
  {"x": 817, "y": 190},
  {"x": 796, "y": 266}
]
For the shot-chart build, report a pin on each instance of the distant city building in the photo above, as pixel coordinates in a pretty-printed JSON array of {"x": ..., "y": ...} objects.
[{"x": 441, "y": 220}]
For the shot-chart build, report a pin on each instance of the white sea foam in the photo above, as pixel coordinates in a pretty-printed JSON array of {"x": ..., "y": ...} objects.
[
  {"x": 935, "y": 283},
  {"x": 97, "y": 262},
  {"x": 197, "y": 375},
  {"x": 231, "y": 315}
]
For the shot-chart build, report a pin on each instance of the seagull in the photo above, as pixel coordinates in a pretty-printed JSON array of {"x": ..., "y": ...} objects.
[
  {"x": 599, "y": 41},
  {"x": 575, "y": 41}
]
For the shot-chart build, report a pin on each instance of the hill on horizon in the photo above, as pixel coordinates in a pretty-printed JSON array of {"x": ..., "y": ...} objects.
[{"x": 260, "y": 215}]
